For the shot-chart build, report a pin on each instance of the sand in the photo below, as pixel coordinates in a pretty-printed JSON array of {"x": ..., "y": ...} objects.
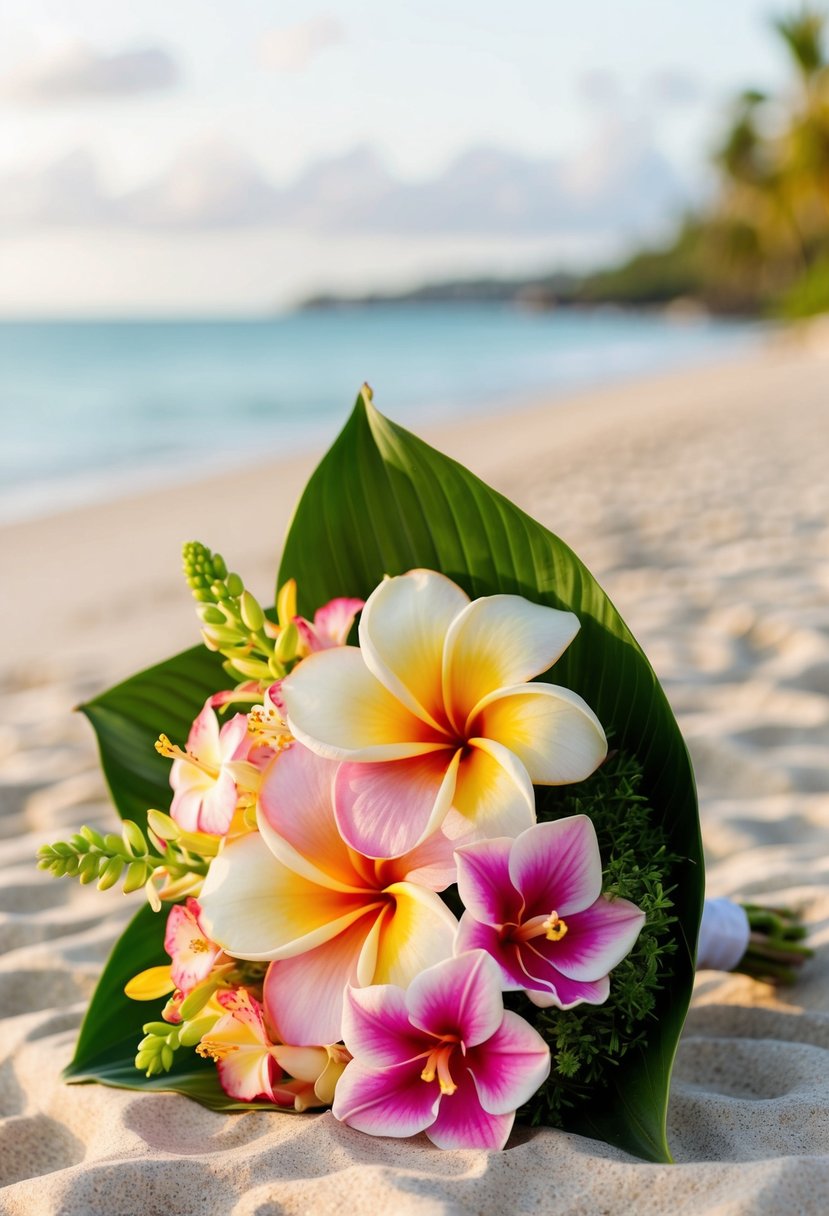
[{"x": 701, "y": 501}]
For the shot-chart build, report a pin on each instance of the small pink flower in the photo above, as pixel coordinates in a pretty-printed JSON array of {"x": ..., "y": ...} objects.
[
  {"x": 251, "y": 1065},
  {"x": 331, "y": 626},
  {"x": 241, "y": 1048},
  {"x": 443, "y": 1057},
  {"x": 210, "y": 775},
  {"x": 535, "y": 905},
  {"x": 193, "y": 953}
]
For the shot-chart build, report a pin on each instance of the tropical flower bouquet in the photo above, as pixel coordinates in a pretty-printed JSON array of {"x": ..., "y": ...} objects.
[{"x": 432, "y": 855}]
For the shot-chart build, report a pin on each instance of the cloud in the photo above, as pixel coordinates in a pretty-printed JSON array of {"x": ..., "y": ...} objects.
[
  {"x": 77, "y": 71},
  {"x": 617, "y": 183},
  {"x": 291, "y": 48},
  {"x": 676, "y": 87}
]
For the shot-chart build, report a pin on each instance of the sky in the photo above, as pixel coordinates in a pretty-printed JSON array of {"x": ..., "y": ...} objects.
[{"x": 192, "y": 157}]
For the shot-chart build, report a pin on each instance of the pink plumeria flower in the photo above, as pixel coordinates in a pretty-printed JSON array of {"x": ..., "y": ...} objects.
[
  {"x": 444, "y": 1057},
  {"x": 535, "y": 905},
  {"x": 434, "y": 711},
  {"x": 331, "y": 625},
  {"x": 324, "y": 915},
  {"x": 194, "y": 955},
  {"x": 209, "y": 777}
]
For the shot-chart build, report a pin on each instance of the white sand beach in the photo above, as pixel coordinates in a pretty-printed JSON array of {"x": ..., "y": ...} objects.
[{"x": 701, "y": 502}]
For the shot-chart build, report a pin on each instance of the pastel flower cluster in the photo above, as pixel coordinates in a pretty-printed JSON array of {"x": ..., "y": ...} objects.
[{"x": 317, "y": 961}]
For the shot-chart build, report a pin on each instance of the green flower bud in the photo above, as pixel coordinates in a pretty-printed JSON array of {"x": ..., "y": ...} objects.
[
  {"x": 211, "y": 615},
  {"x": 113, "y": 844},
  {"x": 160, "y": 1029},
  {"x": 94, "y": 838},
  {"x": 234, "y": 585},
  {"x": 72, "y": 865},
  {"x": 192, "y": 1033},
  {"x": 219, "y": 567},
  {"x": 163, "y": 826},
  {"x": 58, "y": 867},
  {"x": 287, "y": 643},
  {"x": 275, "y": 667},
  {"x": 111, "y": 873},
  {"x": 252, "y": 614},
  {"x": 60, "y": 849},
  {"x": 88, "y": 870},
  {"x": 167, "y": 1057},
  {"x": 133, "y": 838},
  {"x": 137, "y": 874},
  {"x": 196, "y": 1001},
  {"x": 79, "y": 843}
]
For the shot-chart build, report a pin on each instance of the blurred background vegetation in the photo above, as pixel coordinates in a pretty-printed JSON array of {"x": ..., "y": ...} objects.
[
  {"x": 759, "y": 246},
  {"x": 762, "y": 243}
]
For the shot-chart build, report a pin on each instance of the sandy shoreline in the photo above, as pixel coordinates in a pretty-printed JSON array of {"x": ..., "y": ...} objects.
[{"x": 701, "y": 502}]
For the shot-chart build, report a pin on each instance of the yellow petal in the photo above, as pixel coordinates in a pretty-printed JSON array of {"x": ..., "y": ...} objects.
[
  {"x": 493, "y": 791},
  {"x": 552, "y": 730},
  {"x": 258, "y": 909},
  {"x": 419, "y": 931},
  {"x": 402, "y": 633},
  {"x": 338, "y": 709},
  {"x": 151, "y": 984},
  {"x": 500, "y": 640}
]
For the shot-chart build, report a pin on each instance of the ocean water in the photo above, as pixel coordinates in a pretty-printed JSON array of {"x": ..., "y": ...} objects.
[{"x": 94, "y": 410}]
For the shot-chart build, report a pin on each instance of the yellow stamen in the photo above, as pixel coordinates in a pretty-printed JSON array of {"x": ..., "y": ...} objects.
[
  {"x": 199, "y": 946},
  {"x": 210, "y": 1049},
  {"x": 437, "y": 1065},
  {"x": 554, "y": 927},
  {"x": 171, "y": 752}
]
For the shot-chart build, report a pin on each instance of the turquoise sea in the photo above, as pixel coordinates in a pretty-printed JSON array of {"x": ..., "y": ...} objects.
[{"x": 91, "y": 410}]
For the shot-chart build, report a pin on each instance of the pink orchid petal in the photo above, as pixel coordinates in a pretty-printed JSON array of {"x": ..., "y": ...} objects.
[
  {"x": 376, "y": 1026},
  {"x": 472, "y": 935},
  {"x": 596, "y": 941},
  {"x": 461, "y": 996},
  {"x": 239, "y": 1038},
  {"x": 296, "y": 818},
  {"x": 463, "y": 1123},
  {"x": 392, "y": 1102},
  {"x": 510, "y": 1066},
  {"x": 546, "y": 986},
  {"x": 386, "y": 809},
  {"x": 484, "y": 882},
  {"x": 556, "y": 867},
  {"x": 333, "y": 621},
  {"x": 185, "y": 807},
  {"x": 304, "y": 995}
]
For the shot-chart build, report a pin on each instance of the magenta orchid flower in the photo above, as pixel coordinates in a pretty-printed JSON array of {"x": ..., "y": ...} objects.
[
  {"x": 325, "y": 916},
  {"x": 194, "y": 955},
  {"x": 212, "y": 773},
  {"x": 535, "y": 905},
  {"x": 434, "y": 712},
  {"x": 331, "y": 625},
  {"x": 443, "y": 1057}
]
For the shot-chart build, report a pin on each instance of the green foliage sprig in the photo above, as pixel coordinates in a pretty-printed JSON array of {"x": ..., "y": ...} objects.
[{"x": 587, "y": 1042}]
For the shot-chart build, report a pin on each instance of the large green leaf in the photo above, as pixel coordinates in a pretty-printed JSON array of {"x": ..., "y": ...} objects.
[
  {"x": 382, "y": 502},
  {"x": 129, "y": 718},
  {"x": 112, "y": 1028}
]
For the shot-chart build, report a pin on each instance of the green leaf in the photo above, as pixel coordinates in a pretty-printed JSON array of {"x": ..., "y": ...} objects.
[
  {"x": 383, "y": 502},
  {"x": 129, "y": 718},
  {"x": 112, "y": 1028}
]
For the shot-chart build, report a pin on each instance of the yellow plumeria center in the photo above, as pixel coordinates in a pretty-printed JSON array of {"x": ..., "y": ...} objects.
[
  {"x": 437, "y": 1065},
  {"x": 199, "y": 946}
]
